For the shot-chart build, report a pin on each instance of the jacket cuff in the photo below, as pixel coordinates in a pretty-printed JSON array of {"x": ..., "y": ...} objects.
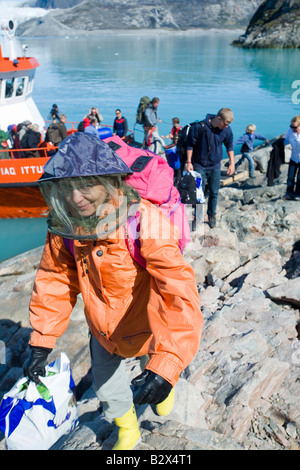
[
  {"x": 165, "y": 367},
  {"x": 36, "y": 339}
]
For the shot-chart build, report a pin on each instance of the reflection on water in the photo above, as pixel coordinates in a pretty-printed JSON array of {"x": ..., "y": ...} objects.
[{"x": 277, "y": 69}]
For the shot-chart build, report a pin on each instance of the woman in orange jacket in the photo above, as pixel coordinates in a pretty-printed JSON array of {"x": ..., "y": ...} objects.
[{"x": 130, "y": 311}]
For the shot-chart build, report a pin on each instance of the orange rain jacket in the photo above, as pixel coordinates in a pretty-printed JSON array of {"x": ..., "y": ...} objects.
[{"x": 130, "y": 310}]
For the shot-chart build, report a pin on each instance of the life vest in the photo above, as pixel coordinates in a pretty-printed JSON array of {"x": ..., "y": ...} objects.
[{"x": 149, "y": 137}]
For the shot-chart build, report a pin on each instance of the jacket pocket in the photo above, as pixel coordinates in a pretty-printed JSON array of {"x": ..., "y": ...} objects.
[{"x": 133, "y": 345}]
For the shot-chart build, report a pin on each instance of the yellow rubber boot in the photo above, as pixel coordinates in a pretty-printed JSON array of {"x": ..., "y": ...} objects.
[
  {"x": 165, "y": 407},
  {"x": 129, "y": 433}
]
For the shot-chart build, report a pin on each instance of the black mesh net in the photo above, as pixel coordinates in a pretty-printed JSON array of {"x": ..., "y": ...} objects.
[{"x": 87, "y": 207}]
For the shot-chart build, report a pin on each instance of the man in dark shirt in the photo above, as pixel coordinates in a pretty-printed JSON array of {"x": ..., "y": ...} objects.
[{"x": 204, "y": 146}]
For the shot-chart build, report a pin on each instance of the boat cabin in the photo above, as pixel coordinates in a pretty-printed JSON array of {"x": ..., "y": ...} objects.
[{"x": 16, "y": 86}]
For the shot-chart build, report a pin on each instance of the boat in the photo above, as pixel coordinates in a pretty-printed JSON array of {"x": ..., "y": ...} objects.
[{"x": 19, "y": 191}]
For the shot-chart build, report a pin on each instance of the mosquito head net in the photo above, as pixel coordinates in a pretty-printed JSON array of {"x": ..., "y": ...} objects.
[
  {"x": 90, "y": 207},
  {"x": 84, "y": 189}
]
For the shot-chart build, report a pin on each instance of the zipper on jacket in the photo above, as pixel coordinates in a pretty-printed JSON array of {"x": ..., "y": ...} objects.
[
  {"x": 85, "y": 265},
  {"x": 128, "y": 338},
  {"x": 209, "y": 141}
]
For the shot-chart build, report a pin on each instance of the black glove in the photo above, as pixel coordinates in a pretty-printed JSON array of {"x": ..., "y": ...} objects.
[
  {"x": 152, "y": 388},
  {"x": 35, "y": 364}
]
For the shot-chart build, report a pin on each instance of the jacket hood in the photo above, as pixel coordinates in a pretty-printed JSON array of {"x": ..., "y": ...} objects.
[
  {"x": 83, "y": 155},
  {"x": 208, "y": 117}
]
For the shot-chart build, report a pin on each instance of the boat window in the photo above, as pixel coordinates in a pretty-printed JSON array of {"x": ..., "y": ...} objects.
[
  {"x": 9, "y": 87},
  {"x": 20, "y": 86},
  {"x": 30, "y": 84}
]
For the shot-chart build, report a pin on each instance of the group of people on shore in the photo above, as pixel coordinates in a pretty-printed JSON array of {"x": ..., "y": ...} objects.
[
  {"x": 205, "y": 156},
  {"x": 204, "y": 150}
]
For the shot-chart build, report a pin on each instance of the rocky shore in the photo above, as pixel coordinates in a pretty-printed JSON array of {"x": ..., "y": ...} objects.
[
  {"x": 276, "y": 24},
  {"x": 241, "y": 392}
]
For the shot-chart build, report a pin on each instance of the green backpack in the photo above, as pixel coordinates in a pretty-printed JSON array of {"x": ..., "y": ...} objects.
[{"x": 144, "y": 101}]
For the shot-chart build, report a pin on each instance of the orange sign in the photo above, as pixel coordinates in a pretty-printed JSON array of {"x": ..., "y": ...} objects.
[{"x": 22, "y": 170}]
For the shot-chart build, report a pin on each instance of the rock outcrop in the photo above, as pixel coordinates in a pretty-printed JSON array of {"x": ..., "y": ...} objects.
[
  {"x": 242, "y": 389},
  {"x": 90, "y": 17},
  {"x": 276, "y": 24}
]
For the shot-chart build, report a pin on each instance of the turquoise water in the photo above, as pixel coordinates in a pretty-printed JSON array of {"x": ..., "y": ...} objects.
[
  {"x": 192, "y": 74},
  {"x": 19, "y": 235}
]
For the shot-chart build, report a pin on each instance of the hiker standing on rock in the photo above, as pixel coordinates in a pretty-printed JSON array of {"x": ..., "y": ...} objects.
[
  {"x": 204, "y": 154},
  {"x": 150, "y": 115},
  {"x": 292, "y": 138},
  {"x": 131, "y": 311},
  {"x": 248, "y": 140}
]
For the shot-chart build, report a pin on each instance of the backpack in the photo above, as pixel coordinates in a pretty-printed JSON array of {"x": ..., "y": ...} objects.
[
  {"x": 3, "y": 140},
  {"x": 153, "y": 178},
  {"x": 144, "y": 101},
  {"x": 187, "y": 189},
  {"x": 53, "y": 134},
  {"x": 182, "y": 140}
]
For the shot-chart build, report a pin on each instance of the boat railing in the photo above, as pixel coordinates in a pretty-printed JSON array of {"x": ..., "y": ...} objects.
[
  {"x": 71, "y": 125},
  {"x": 12, "y": 153},
  {"x": 46, "y": 149}
]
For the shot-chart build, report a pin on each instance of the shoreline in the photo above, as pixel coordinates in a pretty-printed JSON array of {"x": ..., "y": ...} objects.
[{"x": 82, "y": 34}]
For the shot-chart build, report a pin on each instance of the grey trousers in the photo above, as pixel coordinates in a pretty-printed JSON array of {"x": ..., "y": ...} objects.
[{"x": 111, "y": 381}]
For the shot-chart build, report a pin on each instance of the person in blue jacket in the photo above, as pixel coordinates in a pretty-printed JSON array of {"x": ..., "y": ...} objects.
[
  {"x": 248, "y": 140},
  {"x": 292, "y": 138},
  {"x": 92, "y": 128},
  {"x": 120, "y": 126},
  {"x": 204, "y": 154}
]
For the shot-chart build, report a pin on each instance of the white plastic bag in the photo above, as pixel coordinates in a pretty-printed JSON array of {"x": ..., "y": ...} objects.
[
  {"x": 35, "y": 416},
  {"x": 199, "y": 191}
]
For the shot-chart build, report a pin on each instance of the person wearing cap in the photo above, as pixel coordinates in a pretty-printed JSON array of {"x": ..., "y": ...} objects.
[
  {"x": 131, "y": 311},
  {"x": 54, "y": 113}
]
